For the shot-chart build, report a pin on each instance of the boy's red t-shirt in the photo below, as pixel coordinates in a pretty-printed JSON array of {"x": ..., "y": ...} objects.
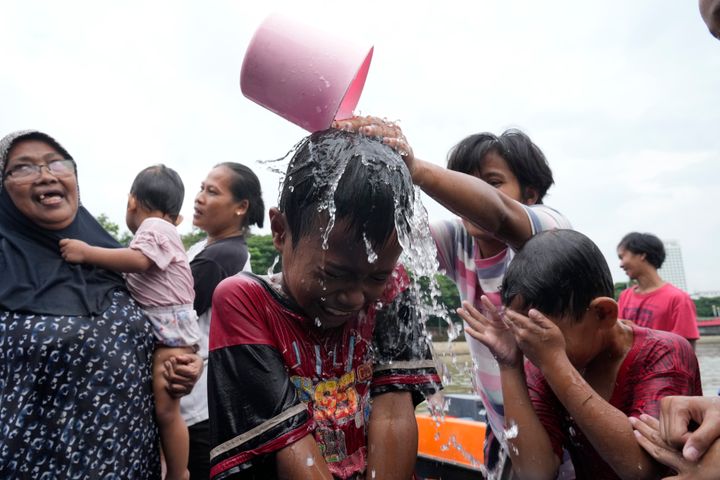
[
  {"x": 658, "y": 364},
  {"x": 274, "y": 376}
]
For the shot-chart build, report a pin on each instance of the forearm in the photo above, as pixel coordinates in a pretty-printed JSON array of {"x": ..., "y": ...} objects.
[
  {"x": 475, "y": 200},
  {"x": 302, "y": 460},
  {"x": 125, "y": 260},
  {"x": 392, "y": 437},
  {"x": 606, "y": 428},
  {"x": 530, "y": 450}
]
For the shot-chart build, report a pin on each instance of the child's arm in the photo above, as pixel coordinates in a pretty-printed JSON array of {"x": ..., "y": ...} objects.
[
  {"x": 126, "y": 260},
  {"x": 392, "y": 437},
  {"x": 464, "y": 195},
  {"x": 607, "y": 428},
  {"x": 531, "y": 449}
]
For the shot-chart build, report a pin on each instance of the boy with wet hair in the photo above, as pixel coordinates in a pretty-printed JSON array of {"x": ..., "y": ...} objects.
[
  {"x": 653, "y": 302},
  {"x": 586, "y": 373},
  {"x": 315, "y": 372}
]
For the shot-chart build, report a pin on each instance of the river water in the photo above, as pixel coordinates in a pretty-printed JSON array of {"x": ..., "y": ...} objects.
[{"x": 457, "y": 358}]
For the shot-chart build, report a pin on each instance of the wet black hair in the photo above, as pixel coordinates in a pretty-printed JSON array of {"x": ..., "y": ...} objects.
[
  {"x": 245, "y": 186},
  {"x": 159, "y": 188},
  {"x": 558, "y": 272},
  {"x": 646, "y": 243},
  {"x": 524, "y": 158},
  {"x": 369, "y": 179}
]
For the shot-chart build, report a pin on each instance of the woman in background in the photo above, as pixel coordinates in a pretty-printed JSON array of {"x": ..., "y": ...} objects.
[{"x": 229, "y": 202}]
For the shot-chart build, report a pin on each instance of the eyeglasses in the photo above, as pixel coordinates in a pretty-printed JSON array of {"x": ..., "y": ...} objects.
[{"x": 28, "y": 172}]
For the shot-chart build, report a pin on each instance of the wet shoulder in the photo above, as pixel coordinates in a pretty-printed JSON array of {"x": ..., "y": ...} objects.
[
  {"x": 660, "y": 350},
  {"x": 243, "y": 285},
  {"x": 244, "y": 311}
]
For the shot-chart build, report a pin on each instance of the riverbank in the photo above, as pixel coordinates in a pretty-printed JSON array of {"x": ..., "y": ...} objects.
[{"x": 456, "y": 357}]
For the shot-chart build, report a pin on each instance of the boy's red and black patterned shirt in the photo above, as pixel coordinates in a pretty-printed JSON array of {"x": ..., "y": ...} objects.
[
  {"x": 657, "y": 365},
  {"x": 274, "y": 377}
]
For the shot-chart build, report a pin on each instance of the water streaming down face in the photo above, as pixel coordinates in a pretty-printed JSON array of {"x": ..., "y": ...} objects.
[{"x": 324, "y": 164}]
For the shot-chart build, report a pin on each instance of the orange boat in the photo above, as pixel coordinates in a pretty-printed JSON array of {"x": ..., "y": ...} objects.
[{"x": 451, "y": 448}]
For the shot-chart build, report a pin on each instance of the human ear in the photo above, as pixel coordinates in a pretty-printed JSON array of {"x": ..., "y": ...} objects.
[
  {"x": 278, "y": 227},
  {"x": 178, "y": 220},
  {"x": 242, "y": 207},
  {"x": 530, "y": 196},
  {"x": 605, "y": 310},
  {"x": 132, "y": 203}
]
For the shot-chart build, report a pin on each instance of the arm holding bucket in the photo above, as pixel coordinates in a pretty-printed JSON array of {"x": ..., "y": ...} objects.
[{"x": 465, "y": 195}]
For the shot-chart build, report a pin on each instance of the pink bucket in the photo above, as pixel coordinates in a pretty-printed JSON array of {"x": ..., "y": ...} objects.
[{"x": 303, "y": 74}]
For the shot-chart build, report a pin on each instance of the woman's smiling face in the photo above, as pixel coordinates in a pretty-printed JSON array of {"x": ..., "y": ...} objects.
[{"x": 49, "y": 200}]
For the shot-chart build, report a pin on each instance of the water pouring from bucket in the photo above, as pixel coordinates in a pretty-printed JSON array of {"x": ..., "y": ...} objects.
[{"x": 307, "y": 76}]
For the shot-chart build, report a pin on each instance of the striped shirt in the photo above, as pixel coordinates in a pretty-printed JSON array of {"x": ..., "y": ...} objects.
[{"x": 459, "y": 257}]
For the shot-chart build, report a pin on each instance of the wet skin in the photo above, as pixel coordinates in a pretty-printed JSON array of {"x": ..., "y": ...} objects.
[
  {"x": 495, "y": 171},
  {"x": 333, "y": 285}
]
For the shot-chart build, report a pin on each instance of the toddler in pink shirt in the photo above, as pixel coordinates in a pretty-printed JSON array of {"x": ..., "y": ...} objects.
[{"x": 158, "y": 276}]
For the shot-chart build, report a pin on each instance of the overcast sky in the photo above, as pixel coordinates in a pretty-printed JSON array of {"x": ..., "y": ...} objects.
[{"x": 623, "y": 97}]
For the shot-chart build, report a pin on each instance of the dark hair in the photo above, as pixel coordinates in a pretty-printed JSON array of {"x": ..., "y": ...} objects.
[
  {"x": 524, "y": 158},
  {"x": 558, "y": 272},
  {"x": 646, "y": 243},
  {"x": 159, "y": 188},
  {"x": 368, "y": 181},
  {"x": 245, "y": 185}
]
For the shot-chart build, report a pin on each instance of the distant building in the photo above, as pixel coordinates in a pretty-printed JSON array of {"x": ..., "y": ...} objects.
[{"x": 673, "y": 270}]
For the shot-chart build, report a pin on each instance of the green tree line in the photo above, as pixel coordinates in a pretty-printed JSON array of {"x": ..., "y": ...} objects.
[{"x": 263, "y": 255}]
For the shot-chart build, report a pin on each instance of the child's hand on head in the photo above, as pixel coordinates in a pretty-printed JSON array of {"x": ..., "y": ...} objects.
[
  {"x": 390, "y": 132},
  {"x": 73, "y": 251},
  {"x": 491, "y": 331},
  {"x": 537, "y": 336}
]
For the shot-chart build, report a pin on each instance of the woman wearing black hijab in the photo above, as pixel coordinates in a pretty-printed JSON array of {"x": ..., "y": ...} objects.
[{"x": 75, "y": 349}]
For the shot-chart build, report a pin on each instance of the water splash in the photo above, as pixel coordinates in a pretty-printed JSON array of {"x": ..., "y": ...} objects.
[
  {"x": 371, "y": 255},
  {"x": 511, "y": 432},
  {"x": 271, "y": 269}
]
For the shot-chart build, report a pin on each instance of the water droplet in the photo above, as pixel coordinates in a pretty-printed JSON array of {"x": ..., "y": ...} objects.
[
  {"x": 371, "y": 255},
  {"x": 309, "y": 462},
  {"x": 511, "y": 432},
  {"x": 271, "y": 270},
  {"x": 325, "y": 81}
]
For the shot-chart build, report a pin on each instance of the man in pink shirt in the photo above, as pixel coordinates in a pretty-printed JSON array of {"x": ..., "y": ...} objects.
[{"x": 653, "y": 303}]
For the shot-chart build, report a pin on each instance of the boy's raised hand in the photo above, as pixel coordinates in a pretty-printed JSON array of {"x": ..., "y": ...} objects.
[
  {"x": 537, "y": 336},
  {"x": 491, "y": 331},
  {"x": 390, "y": 133}
]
